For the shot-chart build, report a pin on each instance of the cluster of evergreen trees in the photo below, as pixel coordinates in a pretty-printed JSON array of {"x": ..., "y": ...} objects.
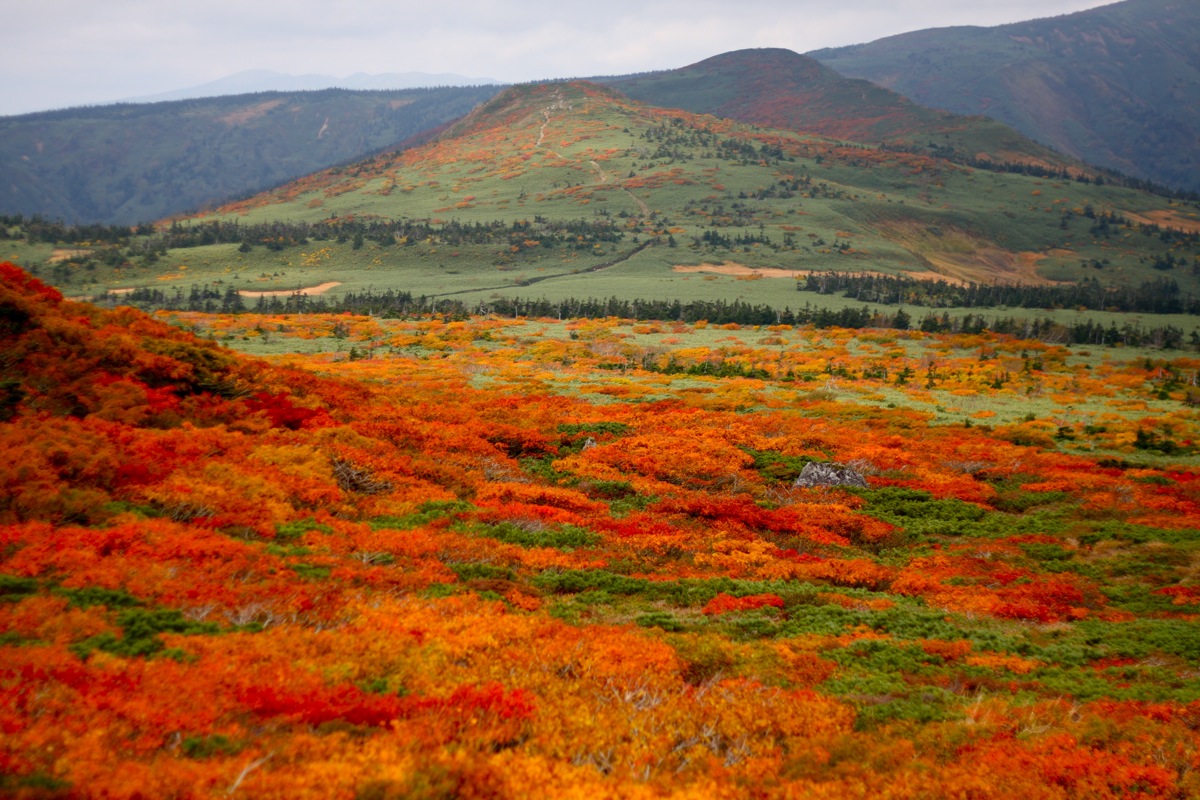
[
  {"x": 278, "y": 235},
  {"x": 389, "y": 232},
  {"x": 1158, "y": 296},
  {"x": 38, "y": 229}
]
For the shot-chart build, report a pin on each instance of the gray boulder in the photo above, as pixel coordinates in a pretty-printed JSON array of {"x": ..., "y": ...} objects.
[{"x": 826, "y": 474}]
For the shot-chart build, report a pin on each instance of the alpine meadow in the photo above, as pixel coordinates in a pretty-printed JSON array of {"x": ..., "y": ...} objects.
[{"x": 741, "y": 430}]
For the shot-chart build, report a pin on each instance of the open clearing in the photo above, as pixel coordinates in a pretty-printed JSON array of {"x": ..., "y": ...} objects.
[
  {"x": 734, "y": 269},
  {"x": 309, "y": 292}
]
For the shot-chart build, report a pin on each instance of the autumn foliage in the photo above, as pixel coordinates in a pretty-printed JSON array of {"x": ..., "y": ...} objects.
[{"x": 449, "y": 575}]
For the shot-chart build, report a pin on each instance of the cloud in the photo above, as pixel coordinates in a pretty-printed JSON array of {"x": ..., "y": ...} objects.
[{"x": 74, "y": 52}]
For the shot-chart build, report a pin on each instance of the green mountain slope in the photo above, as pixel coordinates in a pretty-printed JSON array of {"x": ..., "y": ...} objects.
[
  {"x": 1117, "y": 86},
  {"x": 133, "y": 162},
  {"x": 573, "y": 190},
  {"x": 781, "y": 89}
]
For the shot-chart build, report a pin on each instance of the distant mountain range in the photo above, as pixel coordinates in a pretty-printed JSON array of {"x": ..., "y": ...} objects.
[
  {"x": 1117, "y": 86},
  {"x": 132, "y": 163},
  {"x": 263, "y": 80},
  {"x": 137, "y": 162}
]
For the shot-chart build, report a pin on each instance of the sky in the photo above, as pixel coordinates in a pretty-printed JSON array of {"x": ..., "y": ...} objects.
[{"x": 63, "y": 53}]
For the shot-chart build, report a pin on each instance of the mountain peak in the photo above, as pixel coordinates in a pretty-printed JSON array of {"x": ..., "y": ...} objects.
[
  {"x": 762, "y": 57},
  {"x": 779, "y": 88},
  {"x": 532, "y": 102}
]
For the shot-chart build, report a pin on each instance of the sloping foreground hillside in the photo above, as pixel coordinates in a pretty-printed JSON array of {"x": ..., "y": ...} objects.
[{"x": 487, "y": 562}]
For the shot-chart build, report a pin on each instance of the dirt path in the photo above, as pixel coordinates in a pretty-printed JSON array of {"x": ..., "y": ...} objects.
[
  {"x": 600, "y": 174},
  {"x": 603, "y": 178},
  {"x": 309, "y": 292},
  {"x": 641, "y": 204},
  {"x": 556, "y": 105}
]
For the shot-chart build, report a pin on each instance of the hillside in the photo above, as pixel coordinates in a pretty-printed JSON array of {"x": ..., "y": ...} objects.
[
  {"x": 263, "y": 80},
  {"x": 134, "y": 163},
  {"x": 572, "y": 190},
  {"x": 528, "y": 558},
  {"x": 1117, "y": 86},
  {"x": 780, "y": 89}
]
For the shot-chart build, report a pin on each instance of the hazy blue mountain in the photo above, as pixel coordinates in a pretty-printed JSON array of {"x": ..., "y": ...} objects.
[
  {"x": 264, "y": 80},
  {"x": 1117, "y": 86},
  {"x": 135, "y": 162}
]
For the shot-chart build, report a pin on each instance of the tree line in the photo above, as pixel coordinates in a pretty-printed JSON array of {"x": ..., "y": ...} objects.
[{"x": 1156, "y": 296}]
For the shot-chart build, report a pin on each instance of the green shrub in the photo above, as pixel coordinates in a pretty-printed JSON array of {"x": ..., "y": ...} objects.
[
  {"x": 95, "y": 596},
  {"x": 1143, "y": 637},
  {"x": 140, "y": 629},
  {"x": 562, "y": 537},
  {"x": 918, "y": 513},
  {"x": 13, "y": 587},
  {"x": 311, "y": 572},
  {"x": 290, "y": 531},
  {"x": 1019, "y": 501},
  {"x": 659, "y": 619},
  {"x": 704, "y": 658},
  {"x": 757, "y": 624},
  {"x": 425, "y": 514},
  {"x": 480, "y": 571},
  {"x": 603, "y": 428},
  {"x": 199, "y": 747},
  {"x": 777, "y": 467}
]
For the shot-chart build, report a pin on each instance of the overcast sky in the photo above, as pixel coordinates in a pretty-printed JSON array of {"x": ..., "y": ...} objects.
[{"x": 61, "y": 53}]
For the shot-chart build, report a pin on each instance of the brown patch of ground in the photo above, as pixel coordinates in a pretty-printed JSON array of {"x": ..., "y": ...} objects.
[
  {"x": 253, "y": 112},
  {"x": 1168, "y": 218},
  {"x": 309, "y": 292},
  {"x": 957, "y": 255},
  {"x": 740, "y": 270},
  {"x": 733, "y": 268},
  {"x": 63, "y": 255}
]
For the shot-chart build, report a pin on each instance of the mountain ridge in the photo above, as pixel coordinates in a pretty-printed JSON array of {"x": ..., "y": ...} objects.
[
  {"x": 1117, "y": 86},
  {"x": 132, "y": 162},
  {"x": 262, "y": 80},
  {"x": 779, "y": 88}
]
